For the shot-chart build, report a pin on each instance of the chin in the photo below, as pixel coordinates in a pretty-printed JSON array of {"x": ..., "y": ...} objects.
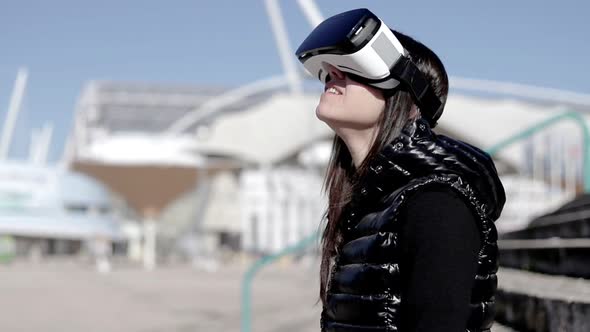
[
  {"x": 326, "y": 114},
  {"x": 334, "y": 119}
]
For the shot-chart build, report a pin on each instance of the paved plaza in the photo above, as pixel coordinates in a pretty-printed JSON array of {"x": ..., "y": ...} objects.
[
  {"x": 73, "y": 297},
  {"x": 68, "y": 297}
]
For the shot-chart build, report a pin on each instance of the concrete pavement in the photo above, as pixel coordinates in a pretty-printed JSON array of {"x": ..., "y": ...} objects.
[{"x": 69, "y": 296}]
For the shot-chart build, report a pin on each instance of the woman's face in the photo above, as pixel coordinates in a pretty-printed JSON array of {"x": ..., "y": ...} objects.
[{"x": 349, "y": 104}]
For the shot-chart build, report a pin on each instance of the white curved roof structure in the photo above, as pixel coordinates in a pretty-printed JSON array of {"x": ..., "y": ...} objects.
[
  {"x": 286, "y": 123},
  {"x": 124, "y": 124},
  {"x": 268, "y": 132}
]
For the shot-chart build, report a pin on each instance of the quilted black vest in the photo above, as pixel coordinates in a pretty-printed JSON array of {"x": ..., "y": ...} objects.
[{"x": 363, "y": 292}]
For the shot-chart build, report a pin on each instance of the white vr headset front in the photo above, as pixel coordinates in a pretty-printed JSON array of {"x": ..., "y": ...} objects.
[{"x": 372, "y": 62}]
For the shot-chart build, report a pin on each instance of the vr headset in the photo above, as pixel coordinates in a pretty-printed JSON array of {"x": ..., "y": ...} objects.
[{"x": 358, "y": 43}]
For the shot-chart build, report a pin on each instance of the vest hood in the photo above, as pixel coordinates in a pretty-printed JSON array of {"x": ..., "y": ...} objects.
[{"x": 419, "y": 152}]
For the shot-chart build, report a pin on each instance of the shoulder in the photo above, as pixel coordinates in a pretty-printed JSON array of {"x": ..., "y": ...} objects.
[
  {"x": 438, "y": 212},
  {"x": 439, "y": 199}
]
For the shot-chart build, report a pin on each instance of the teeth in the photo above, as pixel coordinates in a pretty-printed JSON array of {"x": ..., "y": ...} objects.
[{"x": 333, "y": 90}]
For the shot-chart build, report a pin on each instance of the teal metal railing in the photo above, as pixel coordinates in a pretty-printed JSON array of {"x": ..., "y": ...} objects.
[
  {"x": 567, "y": 116},
  {"x": 246, "y": 304},
  {"x": 256, "y": 266}
]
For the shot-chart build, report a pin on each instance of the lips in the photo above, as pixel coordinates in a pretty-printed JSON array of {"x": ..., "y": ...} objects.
[{"x": 334, "y": 88}]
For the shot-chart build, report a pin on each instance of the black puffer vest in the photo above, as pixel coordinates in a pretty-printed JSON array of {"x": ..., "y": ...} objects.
[{"x": 363, "y": 292}]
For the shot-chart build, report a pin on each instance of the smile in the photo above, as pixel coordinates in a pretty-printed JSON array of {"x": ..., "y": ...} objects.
[{"x": 333, "y": 90}]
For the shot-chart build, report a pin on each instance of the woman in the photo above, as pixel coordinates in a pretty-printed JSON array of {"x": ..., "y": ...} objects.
[{"x": 409, "y": 243}]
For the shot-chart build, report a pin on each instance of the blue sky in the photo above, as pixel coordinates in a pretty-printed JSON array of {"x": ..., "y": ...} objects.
[{"x": 67, "y": 43}]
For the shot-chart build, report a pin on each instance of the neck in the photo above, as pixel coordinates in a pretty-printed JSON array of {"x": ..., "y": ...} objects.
[{"x": 358, "y": 142}]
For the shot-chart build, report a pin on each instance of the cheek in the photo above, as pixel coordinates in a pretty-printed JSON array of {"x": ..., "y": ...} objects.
[{"x": 366, "y": 107}]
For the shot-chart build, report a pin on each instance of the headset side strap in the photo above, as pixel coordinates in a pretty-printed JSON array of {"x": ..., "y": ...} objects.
[{"x": 412, "y": 78}]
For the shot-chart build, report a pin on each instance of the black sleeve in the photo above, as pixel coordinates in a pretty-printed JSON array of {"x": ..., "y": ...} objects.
[{"x": 440, "y": 241}]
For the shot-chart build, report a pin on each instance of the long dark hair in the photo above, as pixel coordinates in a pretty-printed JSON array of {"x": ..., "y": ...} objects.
[{"x": 342, "y": 177}]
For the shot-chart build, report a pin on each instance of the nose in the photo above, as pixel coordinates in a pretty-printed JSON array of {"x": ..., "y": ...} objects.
[{"x": 334, "y": 72}]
